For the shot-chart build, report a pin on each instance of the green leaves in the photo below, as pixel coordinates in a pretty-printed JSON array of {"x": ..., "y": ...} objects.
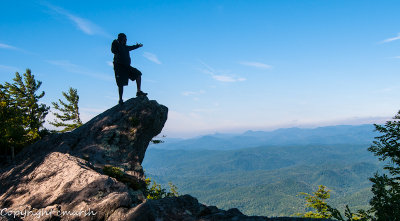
[
  {"x": 68, "y": 116},
  {"x": 386, "y": 189},
  {"x": 323, "y": 210},
  {"x": 359, "y": 216},
  {"x": 155, "y": 191},
  {"x": 317, "y": 202},
  {"x": 21, "y": 115}
]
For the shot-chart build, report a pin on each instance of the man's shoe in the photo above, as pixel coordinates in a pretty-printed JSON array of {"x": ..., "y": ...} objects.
[
  {"x": 121, "y": 102},
  {"x": 140, "y": 93}
]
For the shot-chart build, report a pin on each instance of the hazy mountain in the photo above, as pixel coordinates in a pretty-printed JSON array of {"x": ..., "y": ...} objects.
[
  {"x": 266, "y": 174},
  {"x": 344, "y": 134}
]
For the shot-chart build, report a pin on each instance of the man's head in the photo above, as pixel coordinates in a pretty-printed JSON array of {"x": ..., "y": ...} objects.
[{"x": 122, "y": 38}]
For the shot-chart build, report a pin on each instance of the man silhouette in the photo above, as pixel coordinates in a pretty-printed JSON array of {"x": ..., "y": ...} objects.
[{"x": 122, "y": 66}]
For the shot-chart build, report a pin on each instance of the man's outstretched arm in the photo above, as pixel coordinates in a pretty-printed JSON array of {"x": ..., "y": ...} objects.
[{"x": 133, "y": 47}]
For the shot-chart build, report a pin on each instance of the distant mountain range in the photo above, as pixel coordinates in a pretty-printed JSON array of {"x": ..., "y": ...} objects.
[
  {"x": 261, "y": 173},
  {"x": 343, "y": 134}
]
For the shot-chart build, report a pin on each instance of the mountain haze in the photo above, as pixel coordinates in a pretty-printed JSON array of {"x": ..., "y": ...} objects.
[
  {"x": 342, "y": 134},
  {"x": 263, "y": 172}
]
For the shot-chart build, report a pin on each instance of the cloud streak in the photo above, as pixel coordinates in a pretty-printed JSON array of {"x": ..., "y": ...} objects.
[
  {"x": 222, "y": 76},
  {"x": 226, "y": 78},
  {"x": 392, "y": 39},
  {"x": 8, "y": 68},
  {"x": 73, "y": 68},
  {"x": 152, "y": 57},
  {"x": 82, "y": 24},
  {"x": 190, "y": 93},
  {"x": 256, "y": 64},
  {"x": 6, "y": 46}
]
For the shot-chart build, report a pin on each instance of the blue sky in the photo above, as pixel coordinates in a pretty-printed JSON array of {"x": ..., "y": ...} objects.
[{"x": 219, "y": 66}]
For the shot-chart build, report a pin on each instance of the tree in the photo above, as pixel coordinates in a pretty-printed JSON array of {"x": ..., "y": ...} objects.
[
  {"x": 21, "y": 115},
  {"x": 317, "y": 202},
  {"x": 12, "y": 133},
  {"x": 155, "y": 191},
  {"x": 69, "y": 117},
  {"x": 361, "y": 215},
  {"x": 22, "y": 96},
  {"x": 386, "y": 189}
]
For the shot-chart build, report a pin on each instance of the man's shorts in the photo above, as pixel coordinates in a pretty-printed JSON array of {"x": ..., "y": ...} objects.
[{"x": 123, "y": 73}]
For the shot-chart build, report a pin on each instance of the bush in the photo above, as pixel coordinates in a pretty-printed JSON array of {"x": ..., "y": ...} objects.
[{"x": 155, "y": 191}]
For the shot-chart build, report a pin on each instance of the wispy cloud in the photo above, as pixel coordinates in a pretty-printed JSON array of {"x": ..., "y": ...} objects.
[
  {"x": 82, "y": 24},
  {"x": 256, "y": 64},
  {"x": 109, "y": 63},
  {"x": 8, "y": 68},
  {"x": 190, "y": 93},
  {"x": 226, "y": 78},
  {"x": 386, "y": 90},
  {"x": 219, "y": 75},
  {"x": 151, "y": 57},
  {"x": 391, "y": 39},
  {"x": 6, "y": 46},
  {"x": 11, "y": 47},
  {"x": 73, "y": 68},
  {"x": 205, "y": 110}
]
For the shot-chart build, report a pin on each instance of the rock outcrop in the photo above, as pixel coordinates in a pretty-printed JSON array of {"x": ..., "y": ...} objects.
[
  {"x": 67, "y": 171},
  {"x": 95, "y": 173}
]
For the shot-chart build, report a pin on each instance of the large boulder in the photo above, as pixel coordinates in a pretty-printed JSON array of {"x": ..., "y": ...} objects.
[{"x": 73, "y": 171}]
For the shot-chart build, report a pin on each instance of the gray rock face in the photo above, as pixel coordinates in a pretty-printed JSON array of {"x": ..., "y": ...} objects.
[
  {"x": 95, "y": 173},
  {"x": 64, "y": 172}
]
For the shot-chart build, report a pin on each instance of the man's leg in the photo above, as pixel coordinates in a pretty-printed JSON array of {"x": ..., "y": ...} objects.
[
  {"x": 138, "y": 82},
  {"x": 120, "y": 92},
  {"x": 136, "y": 75}
]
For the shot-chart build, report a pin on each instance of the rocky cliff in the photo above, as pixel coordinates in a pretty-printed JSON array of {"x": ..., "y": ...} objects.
[{"x": 67, "y": 176}]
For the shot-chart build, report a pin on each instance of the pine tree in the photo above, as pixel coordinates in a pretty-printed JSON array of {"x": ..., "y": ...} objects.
[
  {"x": 386, "y": 189},
  {"x": 323, "y": 210},
  {"x": 69, "y": 117},
  {"x": 12, "y": 133},
  {"x": 317, "y": 202},
  {"x": 23, "y": 95},
  {"x": 21, "y": 115}
]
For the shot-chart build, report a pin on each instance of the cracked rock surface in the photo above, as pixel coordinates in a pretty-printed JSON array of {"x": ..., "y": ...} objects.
[{"x": 64, "y": 172}]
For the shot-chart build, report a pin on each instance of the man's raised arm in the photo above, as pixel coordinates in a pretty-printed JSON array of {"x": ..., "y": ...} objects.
[{"x": 133, "y": 47}]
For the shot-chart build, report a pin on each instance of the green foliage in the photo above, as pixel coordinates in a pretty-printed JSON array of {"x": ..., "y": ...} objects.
[
  {"x": 23, "y": 92},
  {"x": 121, "y": 176},
  {"x": 173, "y": 190},
  {"x": 385, "y": 202},
  {"x": 387, "y": 145},
  {"x": 360, "y": 216},
  {"x": 155, "y": 191},
  {"x": 115, "y": 172},
  {"x": 21, "y": 114},
  {"x": 69, "y": 117},
  {"x": 317, "y": 202},
  {"x": 386, "y": 189},
  {"x": 323, "y": 210},
  {"x": 265, "y": 180},
  {"x": 12, "y": 133},
  {"x": 157, "y": 141}
]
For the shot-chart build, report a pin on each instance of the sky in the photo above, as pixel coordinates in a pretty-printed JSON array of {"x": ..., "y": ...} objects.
[{"x": 219, "y": 66}]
